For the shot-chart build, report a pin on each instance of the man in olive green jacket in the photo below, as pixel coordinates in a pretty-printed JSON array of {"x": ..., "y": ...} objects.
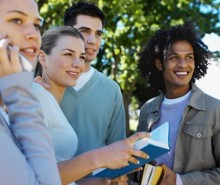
[{"x": 172, "y": 60}]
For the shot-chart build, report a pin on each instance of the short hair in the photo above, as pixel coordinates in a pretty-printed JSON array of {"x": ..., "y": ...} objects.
[
  {"x": 50, "y": 38},
  {"x": 82, "y": 8},
  {"x": 161, "y": 42}
]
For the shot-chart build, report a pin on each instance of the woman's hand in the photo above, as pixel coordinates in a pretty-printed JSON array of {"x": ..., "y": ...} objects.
[
  {"x": 119, "y": 154},
  {"x": 9, "y": 57},
  {"x": 40, "y": 81}
]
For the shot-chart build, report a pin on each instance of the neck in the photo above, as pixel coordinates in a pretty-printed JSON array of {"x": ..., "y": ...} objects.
[
  {"x": 87, "y": 66},
  {"x": 56, "y": 90},
  {"x": 173, "y": 93}
]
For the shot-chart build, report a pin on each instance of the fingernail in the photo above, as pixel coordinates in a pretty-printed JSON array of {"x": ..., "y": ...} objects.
[{"x": 138, "y": 162}]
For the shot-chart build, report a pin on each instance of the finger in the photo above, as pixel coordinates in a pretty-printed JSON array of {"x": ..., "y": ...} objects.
[
  {"x": 132, "y": 159},
  {"x": 3, "y": 35},
  {"x": 38, "y": 79},
  {"x": 4, "y": 51},
  {"x": 15, "y": 60},
  {"x": 45, "y": 85},
  {"x": 138, "y": 153},
  {"x": 4, "y": 56},
  {"x": 138, "y": 135},
  {"x": 122, "y": 179}
]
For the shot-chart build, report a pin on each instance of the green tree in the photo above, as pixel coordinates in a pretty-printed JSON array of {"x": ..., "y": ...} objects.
[{"x": 129, "y": 24}]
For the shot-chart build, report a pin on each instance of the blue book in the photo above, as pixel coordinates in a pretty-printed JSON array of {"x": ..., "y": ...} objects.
[{"x": 155, "y": 146}]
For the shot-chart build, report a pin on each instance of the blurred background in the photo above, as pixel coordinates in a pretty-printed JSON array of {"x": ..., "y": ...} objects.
[{"x": 129, "y": 25}]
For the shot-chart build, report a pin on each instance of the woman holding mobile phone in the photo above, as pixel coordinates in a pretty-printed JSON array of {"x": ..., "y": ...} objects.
[{"x": 26, "y": 155}]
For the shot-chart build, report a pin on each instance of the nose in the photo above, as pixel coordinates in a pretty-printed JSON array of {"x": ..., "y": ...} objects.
[
  {"x": 91, "y": 39},
  {"x": 77, "y": 63},
  {"x": 32, "y": 33},
  {"x": 182, "y": 62}
]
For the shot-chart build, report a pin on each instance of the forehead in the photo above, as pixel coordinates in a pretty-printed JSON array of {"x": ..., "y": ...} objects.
[
  {"x": 93, "y": 23},
  {"x": 182, "y": 46},
  {"x": 28, "y": 7},
  {"x": 70, "y": 42}
]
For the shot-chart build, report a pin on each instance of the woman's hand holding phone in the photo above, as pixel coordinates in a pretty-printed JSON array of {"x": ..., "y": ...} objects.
[{"x": 9, "y": 57}]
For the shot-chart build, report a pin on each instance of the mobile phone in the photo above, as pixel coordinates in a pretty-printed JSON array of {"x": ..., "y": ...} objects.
[{"x": 25, "y": 63}]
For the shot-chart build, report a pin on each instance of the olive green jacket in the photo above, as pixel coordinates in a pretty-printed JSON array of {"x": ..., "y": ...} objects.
[{"x": 197, "y": 153}]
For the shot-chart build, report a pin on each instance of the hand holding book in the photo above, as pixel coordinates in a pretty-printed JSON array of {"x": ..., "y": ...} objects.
[
  {"x": 155, "y": 146},
  {"x": 121, "y": 153}
]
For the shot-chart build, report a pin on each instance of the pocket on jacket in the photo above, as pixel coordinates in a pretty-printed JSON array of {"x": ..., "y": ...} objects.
[
  {"x": 198, "y": 131},
  {"x": 197, "y": 140}
]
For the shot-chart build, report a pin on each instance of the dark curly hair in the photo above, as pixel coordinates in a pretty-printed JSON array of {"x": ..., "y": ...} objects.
[
  {"x": 82, "y": 8},
  {"x": 161, "y": 42}
]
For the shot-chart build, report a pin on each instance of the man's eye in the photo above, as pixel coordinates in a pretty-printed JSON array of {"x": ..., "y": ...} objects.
[
  {"x": 190, "y": 58},
  {"x": 84, "y": 31},
  {"x": 99, "y": 34},
  {"x": 82, "y": 58},
  {"x": 172, "y": 57}
]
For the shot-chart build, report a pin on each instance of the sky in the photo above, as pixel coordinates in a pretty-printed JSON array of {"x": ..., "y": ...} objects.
[{"x": 211, "y": 82}]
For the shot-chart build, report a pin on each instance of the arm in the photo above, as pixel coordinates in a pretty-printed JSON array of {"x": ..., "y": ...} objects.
[
  {"x": 117, "y": 126},
  {"x": 113, "y": 156},
  {"x": 33, "y": 162},
  {"x": 36, "y": 163}
]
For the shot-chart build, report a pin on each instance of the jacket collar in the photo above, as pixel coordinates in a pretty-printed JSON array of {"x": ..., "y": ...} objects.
[{"x": 197, "y": 99}]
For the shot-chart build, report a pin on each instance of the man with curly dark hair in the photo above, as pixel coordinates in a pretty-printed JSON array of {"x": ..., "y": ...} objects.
[{"x": 172, "y": 60}]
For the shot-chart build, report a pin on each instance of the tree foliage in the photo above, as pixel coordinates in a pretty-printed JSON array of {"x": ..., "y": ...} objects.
[{"x": 129, "y": 24}]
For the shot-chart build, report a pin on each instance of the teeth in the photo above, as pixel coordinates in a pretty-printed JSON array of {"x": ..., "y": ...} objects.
[
  {"x": 31, "y": 50},
  {"x": 72, "y": 73},
  {"x": 181, "y": 73},
  {"x": 90, "y": 50}
]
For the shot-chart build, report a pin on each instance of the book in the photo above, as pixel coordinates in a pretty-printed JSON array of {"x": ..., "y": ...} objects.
[
  {"x": 148, "y": 169},
  {"x": 155, "y": 146},
  {"x": 152, "y": 175}
]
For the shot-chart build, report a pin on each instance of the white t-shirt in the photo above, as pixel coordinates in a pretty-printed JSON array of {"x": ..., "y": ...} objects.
[
  {"x": 83, "y": 79},
  {"x": 63, "y": 136}
]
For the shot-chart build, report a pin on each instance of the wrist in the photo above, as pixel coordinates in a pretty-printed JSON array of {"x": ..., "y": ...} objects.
[{"x": 97, "y": 160}]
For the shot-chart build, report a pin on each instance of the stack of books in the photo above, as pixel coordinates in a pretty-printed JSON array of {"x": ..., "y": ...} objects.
[{"x": 152, "y": 175}]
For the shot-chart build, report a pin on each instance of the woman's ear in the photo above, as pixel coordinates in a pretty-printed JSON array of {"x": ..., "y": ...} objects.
[
  {"x": 158, "y": 65},
  {"x": 42, "y": 57}
]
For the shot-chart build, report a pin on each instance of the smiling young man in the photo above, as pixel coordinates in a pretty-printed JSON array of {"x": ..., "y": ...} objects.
[
  {"x": 94, "y": 106},
  {"x": 172, "y": 60}
]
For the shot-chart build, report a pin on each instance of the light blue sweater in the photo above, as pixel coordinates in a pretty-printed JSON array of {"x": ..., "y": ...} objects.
[{"x": 96, "y": 112}]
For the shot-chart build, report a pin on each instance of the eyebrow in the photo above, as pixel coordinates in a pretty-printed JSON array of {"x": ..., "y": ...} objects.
[
  {"x": 172, "y": 52},
  {"x": 73, "y": 51},
  {"x": 40, "y": 19}
]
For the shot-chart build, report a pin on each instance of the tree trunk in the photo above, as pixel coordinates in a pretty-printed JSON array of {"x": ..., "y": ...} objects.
[{"x": 127, "y": 101}]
